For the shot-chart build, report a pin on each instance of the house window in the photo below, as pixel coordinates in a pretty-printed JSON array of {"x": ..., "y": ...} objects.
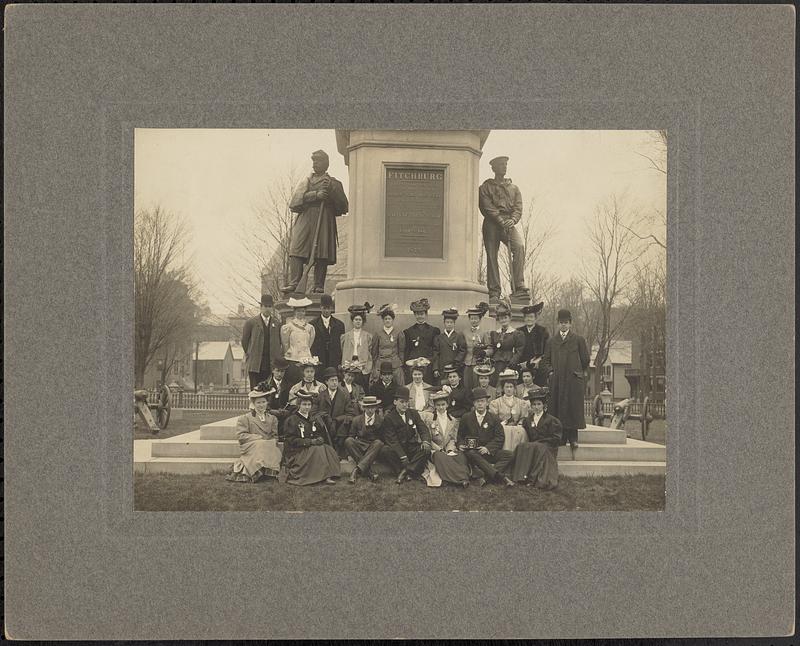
[{"x": 607, "y": 372}]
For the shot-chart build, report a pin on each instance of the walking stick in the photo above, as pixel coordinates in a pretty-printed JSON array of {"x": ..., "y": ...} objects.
[{"x": 312, "y": 260}]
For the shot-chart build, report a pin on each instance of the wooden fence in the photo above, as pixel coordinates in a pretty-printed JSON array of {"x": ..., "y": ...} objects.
[{"x": 657, "y": 409}]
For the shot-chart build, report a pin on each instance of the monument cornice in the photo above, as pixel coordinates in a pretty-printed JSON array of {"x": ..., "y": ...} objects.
[{"x": 344, "y": 147}]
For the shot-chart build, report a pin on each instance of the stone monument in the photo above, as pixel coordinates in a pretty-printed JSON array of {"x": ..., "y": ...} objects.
[{"x": 414, "y": 228}]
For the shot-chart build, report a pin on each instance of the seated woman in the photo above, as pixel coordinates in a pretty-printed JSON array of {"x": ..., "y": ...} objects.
[
  {"x": 351, "y": 370},
  {"x": 510, "y": 408},
  {"x": 419, "y": 390},
  {"x": 451, "y": 465},
  {"x": 536, "y": 461},
  {"x": 308, "y": 382},
  {"x": 526, "y": 375},
  {"x": 309, "y": 456},
  {"x": 257, "y": 432}
]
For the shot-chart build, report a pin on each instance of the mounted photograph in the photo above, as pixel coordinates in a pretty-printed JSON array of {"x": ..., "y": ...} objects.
[{"x": 400, "y": 320}]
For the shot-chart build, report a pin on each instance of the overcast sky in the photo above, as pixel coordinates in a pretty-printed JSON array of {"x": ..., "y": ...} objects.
[{"x": 213, "y": 178}]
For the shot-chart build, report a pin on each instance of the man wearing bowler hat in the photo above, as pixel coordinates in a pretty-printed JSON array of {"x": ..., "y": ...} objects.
[
  {"x": 279, "y": 399},
  {"x": 261, "y": 342},
  {"x": 566, "y": 359},
  {"x": 500, "y": 203},
  {"x": 318, "y": 200},
  {"x": 535, "y": 340},
  {"x": 336, "y": 408},
  {"x": 385, "y": 387},
  {"x": 328, "y": 331},
  {"x": 408, "y": 436}
]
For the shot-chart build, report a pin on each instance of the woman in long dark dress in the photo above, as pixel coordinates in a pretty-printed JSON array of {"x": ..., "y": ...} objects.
[
  {"x": 536, "y": 461},
  {"x": 308, "y": 455},
  {"x": 451, "y": 465}
]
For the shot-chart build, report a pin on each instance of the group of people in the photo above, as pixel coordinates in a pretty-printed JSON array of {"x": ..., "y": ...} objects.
[{"x": 436, "y": 404}]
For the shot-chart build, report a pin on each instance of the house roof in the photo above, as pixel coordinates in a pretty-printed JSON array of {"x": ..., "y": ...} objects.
[
  {"x": 238, "y": 352},
  {"x": 213, "y": 350},
  {"x": 619, "y": 353}
]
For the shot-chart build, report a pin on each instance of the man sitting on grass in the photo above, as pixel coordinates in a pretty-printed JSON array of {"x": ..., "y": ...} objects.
[
  {"x": 408, "y": 436},
  {"x": 481, "y": 437},
  {"x": 364, "y": 443}
]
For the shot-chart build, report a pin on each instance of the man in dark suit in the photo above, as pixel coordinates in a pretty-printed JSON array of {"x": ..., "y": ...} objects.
[
  {"x": 279, "y": 399},
  {"x": 364, "y": 442},
  {"x": 535, "y": 340},
  {"x": 566, "y": 358},
  {"x": 386, "y": 387},
  {"x": 481, "y": 437},
  {"x": 408, "y": 436},
  {"x": 336, "y": 409},
  {"x": 261, "y": 341},
  {"x": 328, "y": 331},
  {"x": 419, "y": 339}
]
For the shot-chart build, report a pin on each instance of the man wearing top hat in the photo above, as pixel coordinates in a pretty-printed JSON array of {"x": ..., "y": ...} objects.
[
  {"x": 535, "y": 340},
  {"x": 318, "y": 200},
  {"x": 408, "y": 436},
  {"x": 419, "y": 338},
  {"x": 500, "y": 203},
  {"x": 566, "y": 359},
  {"x": 336, "y": 408},
  {"x": 261, "y": 342},
  {"x": 385, "y": 387},
  {"x": 449, "y": 346},
  {"x": 328, "y": 331},
  {"x": 364, "y": 442}
]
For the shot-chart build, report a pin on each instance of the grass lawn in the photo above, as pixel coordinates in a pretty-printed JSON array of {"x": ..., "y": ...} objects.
[
  {"x": 170, "y": 492},
  {"x": 192, "y": 420}
]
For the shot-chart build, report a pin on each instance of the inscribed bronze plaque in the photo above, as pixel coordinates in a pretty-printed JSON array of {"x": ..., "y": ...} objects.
[{"x": 414, "y": 212}]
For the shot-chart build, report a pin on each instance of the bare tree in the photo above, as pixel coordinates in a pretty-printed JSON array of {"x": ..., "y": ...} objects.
[
  {"x": 657, "y": 151},
  {"x": 649, "y": 320},
  {"x": 607, "y": 271},
  {"x": 164, "y": 288}
]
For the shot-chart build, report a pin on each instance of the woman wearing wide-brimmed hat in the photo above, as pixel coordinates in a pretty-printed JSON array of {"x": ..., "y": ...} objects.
[
  {"x": 351, "y": 370},
  {"x": 257, "y": 432},
  {"x": 475, "y": 347},
  {"x": 451, "y": 464},
  {"x": 388, "y": 344},
  {"x": 297, "y": 335},
  {"x": 357, "y": 341},
  {"x": 505, "y": 344},
  {"x": 483, "y": 373},
  {"x": 420, "y": 391},
  {"x": 510, "y": 409},
  {"x": 308, "y": 454},
  {"x": 536, "y": 460},
  {"x": 308, "y": 367}
]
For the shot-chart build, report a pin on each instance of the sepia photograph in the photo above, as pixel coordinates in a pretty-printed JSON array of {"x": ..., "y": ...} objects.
[{"x": 408, "y": 320}]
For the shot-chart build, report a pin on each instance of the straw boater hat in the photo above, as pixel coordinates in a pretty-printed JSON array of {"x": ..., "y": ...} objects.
[
  {"x": 483, "y": 369},
  {"x": 533, "y": 309},
  {"x": 480, "y": 309},
  {"x": 536, "y": 392},
  {"x": 369, "y": 401},
  {"x": 450, "y": 313},
  {"x": 421, "y": 305},
  {"x": 303, "y": 301},
  {"x": 507, "y": 375},
  {"x": 419, "y": 362}
]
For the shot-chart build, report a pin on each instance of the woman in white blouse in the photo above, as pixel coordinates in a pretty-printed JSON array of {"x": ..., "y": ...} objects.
[
  {"x": 357, "y": 342},
  {"x": 297, "y": 335},
  {"x": 420, "y": 391},
  {"x": 508, "y": 407}
]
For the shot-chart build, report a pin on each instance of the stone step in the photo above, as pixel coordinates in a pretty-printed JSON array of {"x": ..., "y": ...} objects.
[
  {"x": 634, "y": 450},
  {"x": 226, "y": 430},
  {"x": 567, "y": 469}
]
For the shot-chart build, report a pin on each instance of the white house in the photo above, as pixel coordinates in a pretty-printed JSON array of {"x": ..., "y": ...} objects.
[{"x": 620, "y": 357}]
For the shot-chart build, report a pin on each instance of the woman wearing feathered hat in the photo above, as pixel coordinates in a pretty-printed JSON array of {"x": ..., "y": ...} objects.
[
  {"x": 450, "y": 463},
  {"x": 309, "y": 456},
  {"x": 388, "y": 344},
  {"x": 297, "y": 335},
  {"x": 475, "y": 347},
  {"x": 536, "y": 460},
  {"x": 504, "y": 345},
  {"x": 309, "y": 366},
  {"x": 257, "y": 432},
  {"x": 357, "y": 341}
]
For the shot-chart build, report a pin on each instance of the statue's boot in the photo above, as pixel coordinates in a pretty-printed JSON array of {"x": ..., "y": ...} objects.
[
  {"x": 295, "y": 273},
  {"x": 320, "y": 272}
]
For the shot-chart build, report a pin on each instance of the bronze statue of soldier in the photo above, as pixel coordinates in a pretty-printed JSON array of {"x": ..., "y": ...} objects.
[{"x": 318, "y": 200}]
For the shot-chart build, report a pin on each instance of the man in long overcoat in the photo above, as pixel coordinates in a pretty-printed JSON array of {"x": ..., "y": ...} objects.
[
  {"x": 261, "y": 342},
  {"x": 317, "y": 196},
  {"x": 535, "y": 340},
  {"x": 566, "y": 359}
]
